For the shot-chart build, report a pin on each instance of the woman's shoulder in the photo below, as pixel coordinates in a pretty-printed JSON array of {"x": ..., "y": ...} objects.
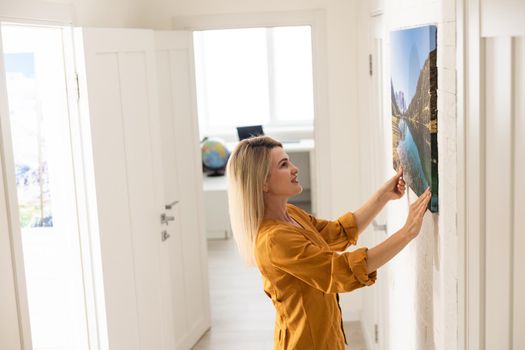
[
  {"x": 296, "y": 211},
  {"x": 293, "y": 207},
  {"x": 270, "y": 227}
]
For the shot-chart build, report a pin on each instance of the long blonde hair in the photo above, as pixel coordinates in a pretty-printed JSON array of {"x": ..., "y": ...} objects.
[{"x": 247, "y": 170}]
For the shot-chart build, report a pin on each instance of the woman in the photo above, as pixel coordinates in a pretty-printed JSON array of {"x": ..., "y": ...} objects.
[{"x": 299, "y": 255}]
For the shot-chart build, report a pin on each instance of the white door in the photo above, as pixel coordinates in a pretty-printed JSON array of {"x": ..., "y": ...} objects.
[
  {"x": 44, "y": 220},
  {"x": 119, "y": 105},
  {"x": 184, "y": 253},
  {"x": 139, "y": 89},
  {"x": 377, "y": 169},
  {"x": 494, "y": 168}
]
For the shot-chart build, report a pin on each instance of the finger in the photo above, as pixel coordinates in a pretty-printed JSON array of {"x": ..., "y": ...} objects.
[
  {"x": 423, "y": 200},
  {"x": 422, "y": 197},
  {"x": 424, "y": 204},
  {"x": 422, "y": 211},
  {"x": 398, "y": 174}
]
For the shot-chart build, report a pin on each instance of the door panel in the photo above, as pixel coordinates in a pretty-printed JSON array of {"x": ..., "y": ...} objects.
[
  {"x": 494, "y": 157},
  {"x": 498, "y": 67},
  {"x": 121, "y": 105},
  {"x": 518, "y": 313},
  {"x": 182, "y": 173},
  {"x": 174, "y": 294},
  {"x": 375, "y": 167}
]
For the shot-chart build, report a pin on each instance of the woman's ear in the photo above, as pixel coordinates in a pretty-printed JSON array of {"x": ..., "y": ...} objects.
[{"x": 265, "y": 184}]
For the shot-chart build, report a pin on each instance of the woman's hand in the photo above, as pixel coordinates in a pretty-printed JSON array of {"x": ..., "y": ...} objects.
[
  {"x": 395, "y": 187},
  {"x": 415, "y": 215}
]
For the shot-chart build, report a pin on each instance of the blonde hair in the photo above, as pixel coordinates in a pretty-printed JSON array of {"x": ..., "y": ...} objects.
[{"x": 247, "y": 170}]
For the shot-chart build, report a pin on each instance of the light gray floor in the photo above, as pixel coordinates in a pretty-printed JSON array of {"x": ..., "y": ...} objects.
[{"x": 242, "y": 316}]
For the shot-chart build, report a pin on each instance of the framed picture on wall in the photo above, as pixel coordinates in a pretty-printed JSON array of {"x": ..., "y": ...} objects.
[{"x": 414, "y": 108}]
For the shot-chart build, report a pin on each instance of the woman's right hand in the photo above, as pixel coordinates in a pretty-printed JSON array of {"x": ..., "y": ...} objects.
[{"x": 415, "y": 215}]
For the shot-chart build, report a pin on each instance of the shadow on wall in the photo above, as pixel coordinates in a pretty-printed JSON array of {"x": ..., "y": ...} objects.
[{"x": 427, "y": 257}]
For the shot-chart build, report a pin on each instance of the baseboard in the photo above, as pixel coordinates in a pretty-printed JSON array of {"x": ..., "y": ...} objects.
[
  {"x": 217, "y": 234},
  {"x": 369, "y": 338},
  {"x": 193, "y": 336}
]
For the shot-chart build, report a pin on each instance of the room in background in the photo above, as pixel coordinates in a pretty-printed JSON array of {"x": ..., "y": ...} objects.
[{"x": 414, "y": 108}]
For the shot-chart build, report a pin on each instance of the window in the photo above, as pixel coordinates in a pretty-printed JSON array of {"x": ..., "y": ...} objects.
[{"x": 253, "y": 76}]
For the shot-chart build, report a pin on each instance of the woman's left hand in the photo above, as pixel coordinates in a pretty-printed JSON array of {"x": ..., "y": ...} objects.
[{"x": 395, "y": 187}]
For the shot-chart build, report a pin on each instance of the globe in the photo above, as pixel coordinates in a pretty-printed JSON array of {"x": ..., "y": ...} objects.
[{"x": 215, "y": 155}]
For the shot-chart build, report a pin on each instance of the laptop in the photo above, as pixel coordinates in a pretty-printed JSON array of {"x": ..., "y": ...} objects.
[{"x": 245, "y": 132}]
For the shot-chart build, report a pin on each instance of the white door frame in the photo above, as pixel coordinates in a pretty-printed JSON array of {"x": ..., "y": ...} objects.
[
  {"x": 471, "y": 309},
  {"x": 11, "y": 335},
  {"x": 315, "y": 19}
]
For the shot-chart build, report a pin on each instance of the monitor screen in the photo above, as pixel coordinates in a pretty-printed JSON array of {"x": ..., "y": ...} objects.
[{"x": 245, "y": 132}]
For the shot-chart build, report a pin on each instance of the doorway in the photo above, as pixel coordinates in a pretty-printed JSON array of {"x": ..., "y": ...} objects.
[
  {"x": 268, "y": 76},
  {"x": 42, "y": 164}
]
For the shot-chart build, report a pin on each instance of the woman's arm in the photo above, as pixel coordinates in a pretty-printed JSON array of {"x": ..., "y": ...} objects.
[
  {"x": 386, "y": 250},
  {"x": 392, "y": 189}
]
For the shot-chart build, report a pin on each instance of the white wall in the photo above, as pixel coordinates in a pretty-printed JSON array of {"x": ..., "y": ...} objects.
[
  {"x": 92, "y": 13},
  {"x": 421, "y": 299},
  {"x": 502, "y": 17}
]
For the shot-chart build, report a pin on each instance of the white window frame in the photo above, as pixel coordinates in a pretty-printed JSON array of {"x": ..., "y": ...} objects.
[
  {"x": 274, "y": 123},
  {"x": 315, "y": 20},
  {"x": 320, "y": 130}
]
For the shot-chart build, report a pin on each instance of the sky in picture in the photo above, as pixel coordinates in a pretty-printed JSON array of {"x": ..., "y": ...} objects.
[{"x": 410, "y": 50}]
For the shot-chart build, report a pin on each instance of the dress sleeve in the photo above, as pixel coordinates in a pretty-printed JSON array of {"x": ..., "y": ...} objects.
[
  {"x": 340, "y": 233},
  {"x": 323, "y": 269}
]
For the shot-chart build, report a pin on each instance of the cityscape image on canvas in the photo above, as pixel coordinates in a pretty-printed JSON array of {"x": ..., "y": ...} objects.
[{"x": 414, "y": 108}]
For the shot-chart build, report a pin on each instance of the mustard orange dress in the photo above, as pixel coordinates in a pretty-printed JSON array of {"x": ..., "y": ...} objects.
[{"x": 302, "y": 273}]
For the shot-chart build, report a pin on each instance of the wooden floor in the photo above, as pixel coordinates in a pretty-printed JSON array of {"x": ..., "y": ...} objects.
[{"x": 242, "y": 316}]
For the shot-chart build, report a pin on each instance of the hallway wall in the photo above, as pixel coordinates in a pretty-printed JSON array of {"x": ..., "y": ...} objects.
[
  {"x": 420, "y": 308},
  {"x": 89, "y": 13}
]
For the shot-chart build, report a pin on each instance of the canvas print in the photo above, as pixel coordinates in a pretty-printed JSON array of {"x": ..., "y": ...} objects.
[{"x": 414, "y": 108}]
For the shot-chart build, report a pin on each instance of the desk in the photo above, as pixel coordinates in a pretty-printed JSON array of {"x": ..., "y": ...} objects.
[{"x": 216, "y": 197}]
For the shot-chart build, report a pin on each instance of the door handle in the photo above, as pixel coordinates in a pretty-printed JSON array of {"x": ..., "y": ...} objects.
[
  {"x": 171, "y": 205},
  {"x": 378, "y": 227},
  {"x": 165, "y": 219}
]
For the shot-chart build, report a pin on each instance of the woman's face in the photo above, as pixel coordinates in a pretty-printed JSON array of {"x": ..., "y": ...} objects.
[{"x": 283, "y": 181}]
